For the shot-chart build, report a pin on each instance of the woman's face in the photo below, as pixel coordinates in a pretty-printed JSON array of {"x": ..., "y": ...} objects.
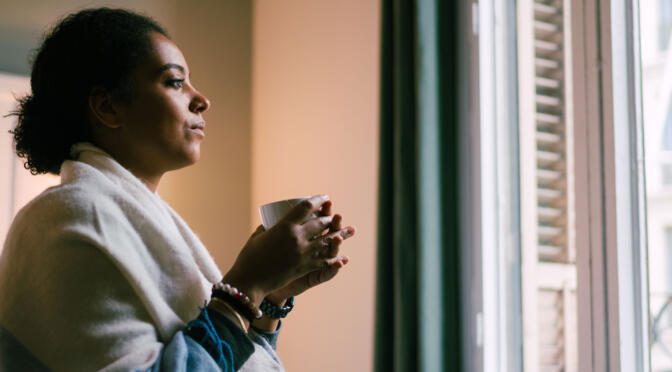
[{"x": 162, "y": 124}]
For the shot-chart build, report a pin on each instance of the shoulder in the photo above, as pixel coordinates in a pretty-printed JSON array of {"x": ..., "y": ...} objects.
[
  {"x": 63, "y": 203},
  {"x": 74, "y": 209}
]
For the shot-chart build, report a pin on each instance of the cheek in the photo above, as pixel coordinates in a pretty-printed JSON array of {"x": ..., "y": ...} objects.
[
  {"x": 165, "y": 110},
  {"x": 161, "y": 116}
]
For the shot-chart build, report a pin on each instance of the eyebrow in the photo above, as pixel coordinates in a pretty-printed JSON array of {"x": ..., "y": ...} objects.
[{"x": 168, "y": 66}]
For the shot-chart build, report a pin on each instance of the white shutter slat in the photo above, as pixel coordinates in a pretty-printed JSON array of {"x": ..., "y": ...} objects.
[
  {"x": 547, "y": 83},
  {"x": 544, "y": 9},
  {"x": 548, "y": 196},
  {"x": 548, "y": 157},
  {"x": 549, "y": 251},
  {"x": 547, "y": 118},
  {"x": 547, "y": 176},
  {"x": 546, "y": 46},
  {"x": 546, "y": 63},
  {"x": 548, "y": 100},
  {"x": 542, "y": 26},
  {"x": 548, "y": 138},
  {"x": 548, "y": 214}
]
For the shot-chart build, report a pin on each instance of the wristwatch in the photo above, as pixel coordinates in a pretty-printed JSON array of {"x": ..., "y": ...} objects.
[{"x": 274, "y": 311}]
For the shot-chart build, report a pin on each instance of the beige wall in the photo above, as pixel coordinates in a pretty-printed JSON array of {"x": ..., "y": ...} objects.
[
  {"x": 312, "y": 128},
  {"x": 214, "y": 196},
  {"x": 315, "y": 126},
  {"x": 23, "y": 21}
]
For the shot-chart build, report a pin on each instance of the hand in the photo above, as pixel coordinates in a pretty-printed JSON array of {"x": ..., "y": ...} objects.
[
  {"x": 335, "y": 262},
  {"x": 272, "y": 259}
]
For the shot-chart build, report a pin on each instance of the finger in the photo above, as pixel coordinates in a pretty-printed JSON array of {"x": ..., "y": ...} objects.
[
  {"x": 333, "y": 249},
  {"x": 315, "y": 227},
  {"x": 336, "y": 223},
  {"x": 338, "y": 261},
  {"x": 343, "y": 261},
  {"x": 326, "y": 208},
  {"x": 328, "y": 272},
  {"x": 303, "y": 210},
  {"x": 328, "y": 263},
  {"x": 337, "y": 238},
  {"x": 322, "y": 275},
  {"x": 326, "y": 247},
  {"x": 345, "y": 233}
]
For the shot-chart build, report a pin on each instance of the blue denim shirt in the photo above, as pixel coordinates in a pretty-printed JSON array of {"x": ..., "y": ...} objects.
[{"x": 210, "y": 342}]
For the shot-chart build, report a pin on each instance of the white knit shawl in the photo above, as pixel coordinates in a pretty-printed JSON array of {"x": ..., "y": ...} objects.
[{"x": 99, "y": 271}]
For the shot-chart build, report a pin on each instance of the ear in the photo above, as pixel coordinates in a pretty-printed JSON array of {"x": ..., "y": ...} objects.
[{"x": 103, "y": 109}]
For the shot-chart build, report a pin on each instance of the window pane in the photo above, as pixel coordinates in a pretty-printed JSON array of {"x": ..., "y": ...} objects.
[{"x": 656, "y": 61}]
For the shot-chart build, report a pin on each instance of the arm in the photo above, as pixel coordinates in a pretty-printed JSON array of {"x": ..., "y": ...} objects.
[
  {"x": 208, "y": 343},
  {"x": 72, "y": 308}
]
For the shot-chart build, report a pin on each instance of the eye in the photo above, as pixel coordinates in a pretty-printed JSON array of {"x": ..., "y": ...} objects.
[{"x": 175, "y": 83}]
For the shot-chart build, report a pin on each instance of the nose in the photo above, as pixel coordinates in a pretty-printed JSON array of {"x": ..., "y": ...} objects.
[{"x": 199, "y": 103}]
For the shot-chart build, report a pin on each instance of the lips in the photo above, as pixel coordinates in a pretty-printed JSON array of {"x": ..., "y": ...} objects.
[
  {"x": 200, "y": 126},
  {"x": 198, "y": 129}
]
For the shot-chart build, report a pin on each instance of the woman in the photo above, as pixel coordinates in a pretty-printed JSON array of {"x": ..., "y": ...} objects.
[{"x": 98, "y": 272}]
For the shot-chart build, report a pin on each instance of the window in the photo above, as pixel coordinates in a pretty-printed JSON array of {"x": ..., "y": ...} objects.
[
  {"x": 666, "y": 135},
  {"x": 564, "y": 284},
  {"x": 17, "y": 186},
  {"x": 657, "y": 125},
  {"x": 526, "y": 132},
  {"x": 660, "y": 303},
  {"x": 664, "y": 24}
]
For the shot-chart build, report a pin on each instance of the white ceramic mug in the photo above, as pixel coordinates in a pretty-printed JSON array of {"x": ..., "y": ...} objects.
[{"x": 273, "y": 212}]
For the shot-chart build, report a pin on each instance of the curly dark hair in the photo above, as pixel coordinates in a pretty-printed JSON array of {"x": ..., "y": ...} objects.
[{"x": 93, "y": 48}]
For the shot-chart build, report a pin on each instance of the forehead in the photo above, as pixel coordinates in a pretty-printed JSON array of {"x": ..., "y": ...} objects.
[{"x": 163, "y": 52}]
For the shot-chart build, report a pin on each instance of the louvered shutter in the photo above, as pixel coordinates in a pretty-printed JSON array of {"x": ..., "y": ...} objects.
[{"x": 548, "y": 255}]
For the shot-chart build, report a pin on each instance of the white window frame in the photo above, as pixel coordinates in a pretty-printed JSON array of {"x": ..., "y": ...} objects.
[
  {"x": 611, "y": 234},
  {"x": 502, "y": 338}
]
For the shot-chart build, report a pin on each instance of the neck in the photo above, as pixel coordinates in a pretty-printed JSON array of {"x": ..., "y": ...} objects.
[
  {"x": 149, "y": 177},
  {"x": 152, "y": 182}
]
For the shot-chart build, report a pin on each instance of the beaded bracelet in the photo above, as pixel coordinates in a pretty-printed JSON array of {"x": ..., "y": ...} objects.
[{"x": 237, "y": 299}]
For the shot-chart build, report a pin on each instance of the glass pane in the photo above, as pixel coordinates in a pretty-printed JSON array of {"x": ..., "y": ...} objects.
[{"x": 656, "y": 61}]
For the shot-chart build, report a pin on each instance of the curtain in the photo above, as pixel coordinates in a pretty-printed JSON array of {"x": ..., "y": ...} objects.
[{"x": 418, "y": 289}]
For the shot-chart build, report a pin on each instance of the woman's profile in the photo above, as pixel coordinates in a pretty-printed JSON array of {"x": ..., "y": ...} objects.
[{"x": 99, "y": 273}]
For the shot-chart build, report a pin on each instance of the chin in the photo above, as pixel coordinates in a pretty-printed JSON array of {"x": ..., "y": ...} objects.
[
  {"x": 194, "y": 154},
  {"x": 187, "y": 157}
]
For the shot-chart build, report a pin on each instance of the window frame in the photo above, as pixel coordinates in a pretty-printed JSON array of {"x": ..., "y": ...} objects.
[{"x": 611, "y": 233}]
